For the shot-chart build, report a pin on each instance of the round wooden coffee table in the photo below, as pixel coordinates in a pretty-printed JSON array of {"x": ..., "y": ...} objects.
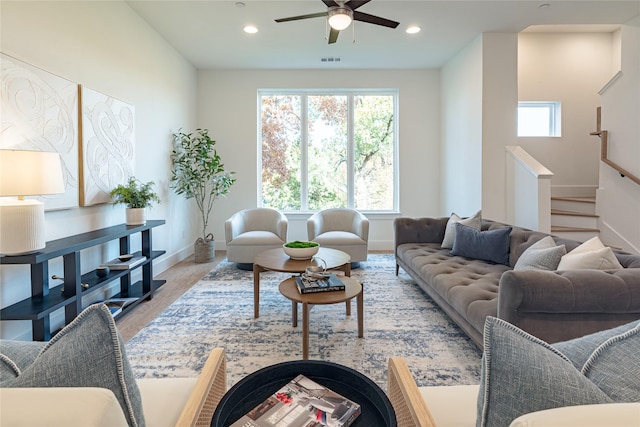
[
  {"x": 352, "y": 288},
  {"x": 277, "y": 260}
]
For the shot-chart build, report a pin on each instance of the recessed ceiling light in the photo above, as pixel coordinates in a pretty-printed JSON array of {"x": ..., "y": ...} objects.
[
  {"x": 250, "y": 29},
  {"x": 413, "y": 29}
]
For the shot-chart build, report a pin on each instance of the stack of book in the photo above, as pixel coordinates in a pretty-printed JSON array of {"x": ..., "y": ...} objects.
[
  {"x": 117, "y": 264},
  {"x": 301, "y": 403},
  {"x": 307, "y": 285}
]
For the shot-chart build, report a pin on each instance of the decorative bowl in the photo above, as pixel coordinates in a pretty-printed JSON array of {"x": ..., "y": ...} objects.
[
  {"x": 300, "y": 250},
  {"x": 125, "y": 257}
]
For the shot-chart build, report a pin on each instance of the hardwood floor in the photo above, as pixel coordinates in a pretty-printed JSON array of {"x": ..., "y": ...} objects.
[{"x": 180, "y": 278}]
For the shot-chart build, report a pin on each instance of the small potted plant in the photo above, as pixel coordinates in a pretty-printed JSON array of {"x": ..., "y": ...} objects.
[{"x": 137, "y": 196}]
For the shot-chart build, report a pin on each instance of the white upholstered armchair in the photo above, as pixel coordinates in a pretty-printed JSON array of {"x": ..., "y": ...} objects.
[
  {"x": 251, "y": 231},
  {"x": 344, "y": 229}
]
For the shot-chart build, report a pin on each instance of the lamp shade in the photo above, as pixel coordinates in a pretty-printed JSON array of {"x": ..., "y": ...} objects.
[
  {"x": 340, "y": 17},
  {"x": 26, "y": 173},
  {"x": 30, "y": 173}
]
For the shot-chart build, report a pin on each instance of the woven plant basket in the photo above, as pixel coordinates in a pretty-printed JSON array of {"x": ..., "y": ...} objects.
[{"x": 205, "y": 249}]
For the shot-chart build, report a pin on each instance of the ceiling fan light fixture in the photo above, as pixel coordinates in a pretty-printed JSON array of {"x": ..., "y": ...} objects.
[{"x": 339, "y": 18}]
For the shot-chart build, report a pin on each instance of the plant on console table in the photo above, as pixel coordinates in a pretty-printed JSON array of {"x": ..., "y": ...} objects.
[
  {"x": 137, "y": 196},
  {"x": 198, "y": 173}
]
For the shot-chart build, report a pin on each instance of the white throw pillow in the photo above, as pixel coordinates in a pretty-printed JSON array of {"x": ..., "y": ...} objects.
[
  {"x": 593, "y": 255},
  {"x": 450, "y": 232}
]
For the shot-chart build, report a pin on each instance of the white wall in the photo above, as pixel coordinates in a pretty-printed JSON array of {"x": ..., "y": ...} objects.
[
  {"x": 570, "y": 68},
  {"x": 499, "y": 121},
  {"x": 618, "y": 198},
  {"x": 107, "y": 47},
  {"x": 479, "y": 98},
  {"x": 461, "y": 152},
  {"x": 227, "y": 105}
]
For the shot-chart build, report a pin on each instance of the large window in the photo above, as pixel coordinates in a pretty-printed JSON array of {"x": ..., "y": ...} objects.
[
  {"x": 539, "y": 118},
  {"x": 328, "y": 150}
]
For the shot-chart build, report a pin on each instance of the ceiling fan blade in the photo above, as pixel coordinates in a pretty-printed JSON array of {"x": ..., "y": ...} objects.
[
  {"x": 333, "y": 35},
  {"x": 330, "y": 3},
  {"x": 297, "y": 18},
  {"x": 365, "y": 17},
  {"x": 354, "y": 4}
]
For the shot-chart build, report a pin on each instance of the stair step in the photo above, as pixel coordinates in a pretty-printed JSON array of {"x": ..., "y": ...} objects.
[
  {"x": 572, "y": 213},
  {"x": 562, "y": 218},
  {"x": 563, "y": 229},
  {"x": 585, "y": 205},
  {"x": 575, "y": 199},
  {"x": 575, "y": 233}
]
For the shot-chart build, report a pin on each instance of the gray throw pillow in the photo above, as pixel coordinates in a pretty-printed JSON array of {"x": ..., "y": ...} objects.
[
  {"x": 88, "y": 352},
  {"x": 522, "y": 374},
  {"x": 15, "y": 356},
  {"x": 542, "y": 255},
  {"x": 490, "y": 245},
  {"x": 578, "y": 350},
  {"x": 474, "y": 221}
]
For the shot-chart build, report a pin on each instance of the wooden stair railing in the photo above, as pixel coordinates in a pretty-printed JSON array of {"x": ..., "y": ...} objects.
[{"x": 603, "y": 134}]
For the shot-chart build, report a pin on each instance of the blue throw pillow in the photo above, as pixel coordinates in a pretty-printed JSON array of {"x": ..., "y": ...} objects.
[
  {"x": 88, "y": 352},
  {"x": 491, "y": 245},
  {"x": 522, "y": 374}
]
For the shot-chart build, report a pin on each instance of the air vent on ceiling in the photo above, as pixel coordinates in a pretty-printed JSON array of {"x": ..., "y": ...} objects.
[{"x": 330, "y": 59}]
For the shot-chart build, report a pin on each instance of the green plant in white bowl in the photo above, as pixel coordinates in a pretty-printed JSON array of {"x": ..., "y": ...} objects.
[{"x": 137, "y": 196}]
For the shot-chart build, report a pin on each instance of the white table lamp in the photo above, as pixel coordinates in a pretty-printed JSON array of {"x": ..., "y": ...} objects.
[{"x": 26, "y": 173}]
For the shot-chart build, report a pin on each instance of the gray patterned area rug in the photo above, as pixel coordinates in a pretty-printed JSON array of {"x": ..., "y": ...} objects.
[{"x": 399, "y": 320}]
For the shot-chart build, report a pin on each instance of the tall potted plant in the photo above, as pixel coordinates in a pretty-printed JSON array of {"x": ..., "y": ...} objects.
[
  {"x": 137, "y": 196},
  {"x": 199, "y": 173}
]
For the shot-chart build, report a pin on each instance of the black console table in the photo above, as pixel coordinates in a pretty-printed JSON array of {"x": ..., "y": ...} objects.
[{"x": 45, "y": 300}]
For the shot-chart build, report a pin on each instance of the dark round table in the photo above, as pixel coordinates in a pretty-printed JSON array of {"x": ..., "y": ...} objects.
[{"x": 376, "y": 409}]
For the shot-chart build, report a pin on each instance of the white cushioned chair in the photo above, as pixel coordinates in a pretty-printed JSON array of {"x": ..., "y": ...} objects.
[
  {"x": 82, "y": 377},
  {"x": 587, "y": 382},
  {"x": 343, "y": 229},
  {"x": 252, "y": 231},
  {"x": 165, "y": 401},
  {"x": 456, "y": 406}
]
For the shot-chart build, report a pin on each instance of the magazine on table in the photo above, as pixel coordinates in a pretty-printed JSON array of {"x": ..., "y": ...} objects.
[
  {"x": 116, "y": 264},
  {"x": 308, "y": 285},
  {"x": 302, "y": 403}
]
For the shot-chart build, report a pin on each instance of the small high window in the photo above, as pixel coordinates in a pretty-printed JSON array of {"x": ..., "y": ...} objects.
[{"x": 539, "y": 118}]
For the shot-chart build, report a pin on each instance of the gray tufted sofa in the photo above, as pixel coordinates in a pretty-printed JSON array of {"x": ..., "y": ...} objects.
[{"x": 551, "y": 305}]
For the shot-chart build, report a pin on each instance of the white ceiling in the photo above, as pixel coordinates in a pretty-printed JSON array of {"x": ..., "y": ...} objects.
[{"x": 210, "y": 33}]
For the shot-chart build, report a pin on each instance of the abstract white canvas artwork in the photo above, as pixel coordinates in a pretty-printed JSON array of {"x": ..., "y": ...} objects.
[
  {"x": 40, "y": 113},
  {"x": 108, "y": 142}
]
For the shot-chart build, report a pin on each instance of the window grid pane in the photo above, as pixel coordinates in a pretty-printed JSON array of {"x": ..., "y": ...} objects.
[{"x": 326, "y": 150}]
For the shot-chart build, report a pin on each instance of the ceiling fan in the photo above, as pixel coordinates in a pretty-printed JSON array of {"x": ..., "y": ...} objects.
[{"x": 340, "y": 14}]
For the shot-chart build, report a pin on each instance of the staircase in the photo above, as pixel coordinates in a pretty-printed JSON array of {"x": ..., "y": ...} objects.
[{"x": 574, "y": 217}]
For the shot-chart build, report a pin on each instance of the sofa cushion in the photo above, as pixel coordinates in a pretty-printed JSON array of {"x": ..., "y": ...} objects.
[
  {"x": 88, "y": 352},
  {"x": 474, "y": 221},
  {"x": 15, "y": 356},
  {"x": 491, "y": 245},
  {"x": 522, "y": 374},
  {"x": 592, "y": 254},
  {"x": 542, "y": 255}
]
